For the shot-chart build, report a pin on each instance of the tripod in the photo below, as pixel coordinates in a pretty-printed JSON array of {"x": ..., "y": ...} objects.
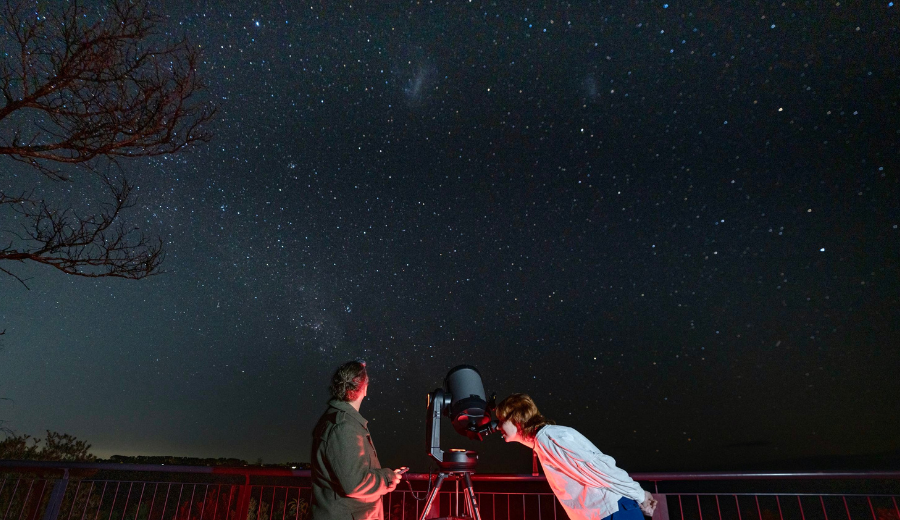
[{"x": 471, "y": 501}]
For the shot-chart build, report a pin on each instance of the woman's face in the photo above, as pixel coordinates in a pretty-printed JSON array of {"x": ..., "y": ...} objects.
[{"x": 510, "y": 431}]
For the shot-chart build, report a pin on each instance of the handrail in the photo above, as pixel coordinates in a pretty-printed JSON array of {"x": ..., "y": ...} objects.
[
  {"x": 51, "y": 490},
  {"x": 284, "y": 472}
]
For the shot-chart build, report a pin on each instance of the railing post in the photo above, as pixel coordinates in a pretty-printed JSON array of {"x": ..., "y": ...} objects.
[
  {"x": 244, "y": 499},
  {"x": 56, "y": 497},
  {"x": 662, "y": 508}
]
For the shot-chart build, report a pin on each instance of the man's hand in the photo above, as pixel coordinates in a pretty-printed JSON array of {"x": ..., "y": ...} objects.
[
  {"x": 395, "y": 478},
  {"x": 648, "y": 506}
]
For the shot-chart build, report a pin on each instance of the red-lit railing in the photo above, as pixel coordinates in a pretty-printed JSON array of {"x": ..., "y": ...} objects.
[{"x": 81, "y": 491}]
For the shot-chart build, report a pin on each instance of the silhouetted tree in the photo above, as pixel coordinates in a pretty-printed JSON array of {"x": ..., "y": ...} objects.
[
  {"x": 81, "y": 87},
  {"x": 57, "y": 446}
]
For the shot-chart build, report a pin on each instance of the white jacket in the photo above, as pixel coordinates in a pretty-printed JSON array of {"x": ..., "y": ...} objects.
[{"x": 585, "y": 481}]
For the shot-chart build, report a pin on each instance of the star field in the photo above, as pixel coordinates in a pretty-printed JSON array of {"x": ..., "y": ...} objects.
[{"x": 675, "y": 225}]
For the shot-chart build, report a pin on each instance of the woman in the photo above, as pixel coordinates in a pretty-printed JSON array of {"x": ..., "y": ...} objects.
[{"x": 585, "y": 481}]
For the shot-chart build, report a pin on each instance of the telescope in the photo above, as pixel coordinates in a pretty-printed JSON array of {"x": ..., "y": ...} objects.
[{"x": 463, "y": 401}]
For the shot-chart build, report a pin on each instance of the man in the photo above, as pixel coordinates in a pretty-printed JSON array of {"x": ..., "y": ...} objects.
[{"x": 347, "y": 479}]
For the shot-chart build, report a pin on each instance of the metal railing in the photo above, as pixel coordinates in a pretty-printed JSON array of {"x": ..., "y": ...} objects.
[{"x": 81, "y": 491}]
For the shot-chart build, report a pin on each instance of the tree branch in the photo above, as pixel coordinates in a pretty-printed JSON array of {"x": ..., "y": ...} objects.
[{"x": 83, "y": 88}]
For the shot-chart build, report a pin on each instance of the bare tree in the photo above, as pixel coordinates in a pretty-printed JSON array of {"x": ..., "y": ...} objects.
[{"x": 89, "y": 88}]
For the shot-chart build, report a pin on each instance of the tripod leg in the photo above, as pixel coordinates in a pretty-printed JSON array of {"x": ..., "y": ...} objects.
[
  {"x": 470, "y": 494},
  {"x": 433, "y": 494}
]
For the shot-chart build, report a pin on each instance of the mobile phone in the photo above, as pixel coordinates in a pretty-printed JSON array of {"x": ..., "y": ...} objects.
[{"x": 403, "y": 469}]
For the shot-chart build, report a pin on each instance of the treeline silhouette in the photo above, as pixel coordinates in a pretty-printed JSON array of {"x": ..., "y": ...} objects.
[
  {"x": 67, "y": 448},
  {"x": 175, "y": 461}
]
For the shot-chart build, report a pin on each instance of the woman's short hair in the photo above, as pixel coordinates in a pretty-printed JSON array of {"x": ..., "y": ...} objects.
[
  {"x": 348, "y": 381},
  {"x": 521, "y": 410}
]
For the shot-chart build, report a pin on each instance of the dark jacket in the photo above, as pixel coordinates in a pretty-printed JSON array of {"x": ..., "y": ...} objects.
[{"x": 347, "y": 479}]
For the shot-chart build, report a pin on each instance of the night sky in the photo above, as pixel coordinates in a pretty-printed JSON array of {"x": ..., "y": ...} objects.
[{"x": 675, "y": 225}]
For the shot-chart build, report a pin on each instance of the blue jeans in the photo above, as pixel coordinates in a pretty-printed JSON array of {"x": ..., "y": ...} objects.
[{"x": 628, "y": 510}]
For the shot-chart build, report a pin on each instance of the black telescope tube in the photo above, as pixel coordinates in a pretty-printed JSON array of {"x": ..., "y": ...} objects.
[{"x": 468, "y": 406}]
